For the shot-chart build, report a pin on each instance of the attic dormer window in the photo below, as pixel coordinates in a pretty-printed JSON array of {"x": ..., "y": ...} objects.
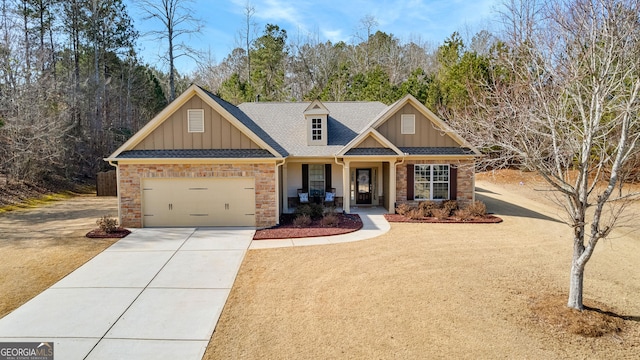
[
  {"x": 316, "y": 129},
  {"x": 195, "y": 120}
]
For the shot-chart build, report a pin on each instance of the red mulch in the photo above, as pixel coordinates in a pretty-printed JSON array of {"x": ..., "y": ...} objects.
[
  {"x": 346, "y": 223},
  {"x": 487, "y": 219},
  {"x": 99, "y": 234}
]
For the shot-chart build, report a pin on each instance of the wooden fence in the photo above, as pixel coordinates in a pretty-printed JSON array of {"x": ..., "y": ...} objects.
[{"x": 107, "y": 184}]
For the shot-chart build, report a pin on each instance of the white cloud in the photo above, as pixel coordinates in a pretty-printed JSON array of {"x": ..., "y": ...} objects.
[
  {"x": 278, "y": 10},
  {"x": 334, "y": 35}
]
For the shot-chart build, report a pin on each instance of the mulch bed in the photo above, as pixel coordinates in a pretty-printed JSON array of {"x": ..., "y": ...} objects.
[
  {"x": 346, "y": 223},
  {"x": 99, "y": 234},
  {"x": 488, "y": 219}
]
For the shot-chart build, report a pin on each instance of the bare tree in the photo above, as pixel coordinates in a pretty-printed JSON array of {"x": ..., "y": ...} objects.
[
  {"x": 248, "y": 34},
  {"x": 564, "y": 102},
  {"x": 177, "y": 22},
  {"x": 368, "y": 25}
]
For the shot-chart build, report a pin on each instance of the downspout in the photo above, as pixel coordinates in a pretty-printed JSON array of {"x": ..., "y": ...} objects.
[
  {"x": 278, "y": 186},
  {"x": 115, "y": 165},
  {"x": 395, "y": 182}
]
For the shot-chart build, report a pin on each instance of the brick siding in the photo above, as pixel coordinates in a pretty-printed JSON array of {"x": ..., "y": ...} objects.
[
  {"x": 466, "y": 173},
  {"x": 131, "y": 175}
]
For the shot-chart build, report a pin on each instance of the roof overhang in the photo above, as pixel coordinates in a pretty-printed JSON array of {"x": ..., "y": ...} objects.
[
  {"x": 363, "y": 136},
  {"x": 192, "y": 160},
  {"x": 192, "y": 91},
  {"x": 441, "y": 125}
]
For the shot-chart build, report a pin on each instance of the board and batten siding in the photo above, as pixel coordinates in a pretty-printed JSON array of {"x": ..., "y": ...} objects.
[
  {"x": 369, "y": 143},
  {"x": 426, "y": 135},
  {"x": 218, "y": 133}
]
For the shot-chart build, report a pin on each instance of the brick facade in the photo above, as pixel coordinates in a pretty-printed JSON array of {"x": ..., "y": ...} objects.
[
  {"x": 131, "y": 175},
  {"x": 465, "y": 179}
]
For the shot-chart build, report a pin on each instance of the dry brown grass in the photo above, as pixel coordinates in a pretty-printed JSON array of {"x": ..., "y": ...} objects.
[
  {"x": 432, "y": 291},
  {"x": 596, "y": 320},
  {"x": 40, "y": 246}
]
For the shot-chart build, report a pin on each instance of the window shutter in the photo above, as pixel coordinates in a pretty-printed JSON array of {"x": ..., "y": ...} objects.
[
  {"x": 305, "y": 178},
  {"x": 327, "y": 177},
  {"x": 453, "y": 183},
  {"x": 410, "y": 175}
]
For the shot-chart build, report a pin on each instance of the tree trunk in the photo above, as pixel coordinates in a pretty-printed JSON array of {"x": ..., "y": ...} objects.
[
  {"x": 576, "y": 282},
  {"x": 172, "y": 86}
]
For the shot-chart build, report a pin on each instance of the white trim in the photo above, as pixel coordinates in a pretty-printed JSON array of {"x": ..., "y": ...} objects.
[
  {"x": 408, "y": 124},
  {"x": 363, "y": 136},
  {"x": 192, "y": 91},
  {"x": 195, "y": 120},
  {"x": 431, "y": 181}
]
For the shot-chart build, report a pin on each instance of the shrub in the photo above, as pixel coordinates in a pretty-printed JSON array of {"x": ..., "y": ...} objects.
[
  {"x": 463, "y": 214},
  {"x": 313, "y": 211},
  {"x": 107, "y": 224},
  {"x": 330, "y": 219},
  {"x": 403, "y": 209},
  {"x": 302, "y": 221},
  {"x": 441, "y": 214},
  {"x": 414, "y": 214},
  {"x": 427, "y": 206},
  {"x": 477, "y": 208},
  {"x": 450, "y": 206}
]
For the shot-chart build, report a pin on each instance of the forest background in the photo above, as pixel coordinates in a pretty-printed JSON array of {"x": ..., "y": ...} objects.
[{"x": 73, "y": 87}]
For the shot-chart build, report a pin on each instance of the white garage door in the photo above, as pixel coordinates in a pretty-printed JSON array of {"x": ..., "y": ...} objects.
[{"x": 198, "y": 202}]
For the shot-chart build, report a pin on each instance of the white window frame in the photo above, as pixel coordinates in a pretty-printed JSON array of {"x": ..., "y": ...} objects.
[
  {"x": 431, "y": 181},
  {"x": 316, "y": 180},
  {"x": 408, "y": 124},
  {"x": 195, "y": 120},
  {"x": 316, "y": 129}
]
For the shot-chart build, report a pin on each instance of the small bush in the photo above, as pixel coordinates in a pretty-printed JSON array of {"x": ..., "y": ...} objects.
[
  {"x": 477, "y": 208},
  {"x": 313, "y": 211},
  {"x": 450, "y": 206},
  {"x": 427, "y": 206},
  {"x": 440, "y": 214},
  {"x": 107, "y": 224},
  {"x": 403, "y": 209},
  {"x": 414, "y": 214},
  {"x": 463, "y": 214},
  {"x": 330, "y": 210},
  {"x": 330, "y": 220},
  {"x": 302, "y": 221}
]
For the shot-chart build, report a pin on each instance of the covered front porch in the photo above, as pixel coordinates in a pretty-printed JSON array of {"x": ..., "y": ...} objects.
[{"x": 356, "y": 183}]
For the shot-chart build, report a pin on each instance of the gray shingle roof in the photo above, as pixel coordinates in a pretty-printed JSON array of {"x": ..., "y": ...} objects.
[
  {"x": 370, "y": 151},
  {"x": 195, "y": 154},
  {"x": 286, "y": 124},
  {"x": 436, "y": 151},
  {"x": 249, "y": 122}
]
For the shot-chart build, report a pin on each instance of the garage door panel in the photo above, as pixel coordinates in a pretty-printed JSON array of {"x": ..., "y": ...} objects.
[{"x": 199, "y": 202}]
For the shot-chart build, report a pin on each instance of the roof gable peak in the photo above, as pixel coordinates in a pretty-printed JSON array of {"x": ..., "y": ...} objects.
[{"x": 316, "y": 108}]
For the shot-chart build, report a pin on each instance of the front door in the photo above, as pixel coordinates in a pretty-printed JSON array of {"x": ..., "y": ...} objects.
[{"x": 363, "y": 186}]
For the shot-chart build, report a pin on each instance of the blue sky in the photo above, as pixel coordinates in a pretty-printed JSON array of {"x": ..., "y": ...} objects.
[{"x": 335, "y": 20}]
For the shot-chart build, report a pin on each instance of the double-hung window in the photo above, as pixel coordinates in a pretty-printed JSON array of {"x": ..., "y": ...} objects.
[
  {"x": 316, "y": 180},
  {"x": 316, "y": 129},
  {"x": 431, "y": 182}
]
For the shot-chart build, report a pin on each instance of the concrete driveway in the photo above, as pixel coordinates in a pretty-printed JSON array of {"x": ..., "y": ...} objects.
[{"x": 157, "y": 293}]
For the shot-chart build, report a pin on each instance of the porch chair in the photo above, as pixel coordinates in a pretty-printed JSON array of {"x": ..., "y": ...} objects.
[
  {"x": 330, "y": 197},
  {"x": 303, "y": 197}
]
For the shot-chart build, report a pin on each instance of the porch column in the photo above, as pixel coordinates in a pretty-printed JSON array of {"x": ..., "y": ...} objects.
[
  {"x": 346, "y": 187},
  {"x": 285, "y": 190},
  {"x": 392, "y": 187}
]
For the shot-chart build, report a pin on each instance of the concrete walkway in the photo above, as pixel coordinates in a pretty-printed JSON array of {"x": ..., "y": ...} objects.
[
  {"x": 373, "y": 224},
  {"x": 158, "y": 293}
]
